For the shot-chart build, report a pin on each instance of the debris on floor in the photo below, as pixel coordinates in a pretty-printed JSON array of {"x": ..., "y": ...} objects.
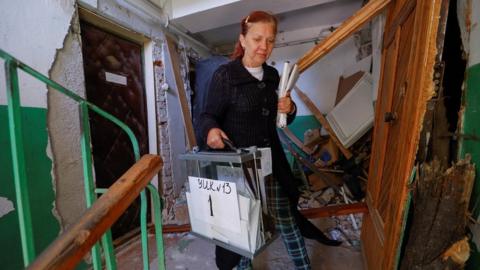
[
  {"x": 351, "y": 175},
  {"x": 186, "y": 252}
]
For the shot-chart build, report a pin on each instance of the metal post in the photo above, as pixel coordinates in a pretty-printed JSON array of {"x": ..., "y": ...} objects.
[
  {"x": 88, "y": 175},
  {"x": 107, "y": 244},
  {"x": 157, "y": 208},
  {"x": 18, "y": 160},
  {"x": 143, "y": 226},
  {"x": 21, "y": 189}
]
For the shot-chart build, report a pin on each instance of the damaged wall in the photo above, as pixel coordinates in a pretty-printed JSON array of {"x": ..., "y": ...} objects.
[
  {"x": 469, "y": 19},
  {"x": 50, "y": 42},
  {"x": 64, "y": 128},
  {"x": 320, "y": 81},
  {"x": 170, "y": 134},
  {"x": 33, "y": 37}
]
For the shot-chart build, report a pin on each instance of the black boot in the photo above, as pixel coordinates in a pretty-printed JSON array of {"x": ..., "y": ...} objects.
[
  {"x": 310, "y": 231},
  {"x": 226, "y": 259}
]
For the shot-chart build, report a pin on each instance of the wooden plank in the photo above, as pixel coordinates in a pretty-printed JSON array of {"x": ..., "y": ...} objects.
[
  {"x": 330, "y": 181},
  {"x": 323, "y": 121},
  {"x": 177, "y": 228},
  {"x": 398, "y": 22},
  {"x": 335, "y": 210},
  {"x": 70, "y": 247},
  {"x": 346, "y": 84},
  {"x": 347, "y": 28},
  {"x": 182, "y": 96},
  {"x": 419, "y": 91},
  {"x": 406, "y": 87},
  {"x": 296, "y": 141}
]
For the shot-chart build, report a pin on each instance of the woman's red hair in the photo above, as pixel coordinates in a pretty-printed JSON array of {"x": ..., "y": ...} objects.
[{"x": 254, "y": 17}]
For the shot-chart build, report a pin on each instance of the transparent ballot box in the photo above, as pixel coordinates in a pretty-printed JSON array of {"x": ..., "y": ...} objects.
[{"x": 227, "y": 200}]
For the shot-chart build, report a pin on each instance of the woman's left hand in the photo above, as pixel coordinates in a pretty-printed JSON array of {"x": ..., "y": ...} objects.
[{"x": 285, "y": 104}]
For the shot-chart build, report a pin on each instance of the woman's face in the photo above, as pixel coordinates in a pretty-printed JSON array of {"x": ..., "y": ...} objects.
[{"x": 257, "y": 43}]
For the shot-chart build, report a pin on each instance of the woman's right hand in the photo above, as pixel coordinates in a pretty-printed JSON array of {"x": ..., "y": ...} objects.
[{"x": 214, "y": 138}]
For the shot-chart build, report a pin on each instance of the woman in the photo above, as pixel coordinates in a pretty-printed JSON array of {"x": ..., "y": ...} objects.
[{"x": 242, "y": 106}]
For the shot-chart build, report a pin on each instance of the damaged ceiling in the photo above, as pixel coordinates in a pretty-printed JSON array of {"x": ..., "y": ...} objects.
[{"x": 299, "y": 21}]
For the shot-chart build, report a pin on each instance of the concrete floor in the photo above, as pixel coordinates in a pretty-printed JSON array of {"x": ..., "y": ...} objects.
[
  {"x": 184, "y": 251},
  {"x": 192, "y": 253}
]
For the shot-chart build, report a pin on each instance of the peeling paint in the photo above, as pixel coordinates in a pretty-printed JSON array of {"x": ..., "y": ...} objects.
[
  {"x": 33, "y": 37},
  {"x": 475, "y": 34},
  {"x": 468, "y": 16},
  {"x": 463, "y": 8},
  {"x": 468, "y": 19},
  {"x": 468, "y": 13},
  {"x": 64, "y": 128},
  {"x": 6, "y": 206}
]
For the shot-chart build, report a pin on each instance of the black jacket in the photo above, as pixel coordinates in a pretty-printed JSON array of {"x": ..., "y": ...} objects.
[{"x": 246, "y": 110}]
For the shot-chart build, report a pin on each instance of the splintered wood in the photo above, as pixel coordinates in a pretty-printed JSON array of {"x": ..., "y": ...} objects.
[
  {"x": 440, "y": 202},
  {"x": 348, "y": 27}
]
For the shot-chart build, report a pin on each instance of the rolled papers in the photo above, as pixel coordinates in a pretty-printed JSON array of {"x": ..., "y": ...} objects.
[{"x": 288, "y": 80}]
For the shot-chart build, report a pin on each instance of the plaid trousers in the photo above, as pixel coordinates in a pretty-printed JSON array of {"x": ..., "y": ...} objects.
[{"x": 279, "y": 204}]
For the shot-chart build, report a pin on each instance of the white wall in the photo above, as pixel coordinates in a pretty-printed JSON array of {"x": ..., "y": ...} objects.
[
  {"x": 182, "y": 8},
  {"x": 32, "y": 31},
  {"x": 35, "y": 33},
  {"x": 45, "y": 35},
  {"x": 320, "y": 81},
  {"x": 469, "y": 17}
]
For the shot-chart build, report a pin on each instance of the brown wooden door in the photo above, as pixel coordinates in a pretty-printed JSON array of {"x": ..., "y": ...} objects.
[
  {"x": 114, "y": 82},
  {"x": 408, "y": 58}
]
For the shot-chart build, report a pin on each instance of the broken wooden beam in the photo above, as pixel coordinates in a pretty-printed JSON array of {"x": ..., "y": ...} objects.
[
  {"x": 440, "y": 199},
  {"x": 335, "y": 210},
  {"x": 70, "y": 247},
  {"x": 177, "y": 228},
  {"x": 348, "y": 27},
  {"x": 296, "y": 141},
  {"x": 323, "y": 121},
  {"x": 330, "y": 181},
  {"x": 174, "y": 62}
]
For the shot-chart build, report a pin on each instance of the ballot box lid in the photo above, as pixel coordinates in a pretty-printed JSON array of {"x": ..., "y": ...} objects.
[{"x": 222, "y": 156}]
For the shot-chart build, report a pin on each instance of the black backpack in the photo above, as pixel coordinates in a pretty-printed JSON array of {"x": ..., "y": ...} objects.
[{"x": 204, "y": 70}]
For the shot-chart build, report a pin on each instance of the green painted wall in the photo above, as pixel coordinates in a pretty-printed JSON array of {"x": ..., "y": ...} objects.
[
  {"x": 302, "y": 123},
  {"x": 45, "y": 225},
  {"x": 471, "y": 124},
  {"x": 471, "y": 142},
  {"x": 298, "y": 127}
]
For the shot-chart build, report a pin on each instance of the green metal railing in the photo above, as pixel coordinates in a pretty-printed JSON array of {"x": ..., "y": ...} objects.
[{"x": 19, "y": 170}]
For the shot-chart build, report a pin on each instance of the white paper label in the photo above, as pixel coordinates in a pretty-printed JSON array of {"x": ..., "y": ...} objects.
[
  {"x": 266, "y": 161},
  {"x": 115, "y": 78},
  {"x": 215, "y": 202}
]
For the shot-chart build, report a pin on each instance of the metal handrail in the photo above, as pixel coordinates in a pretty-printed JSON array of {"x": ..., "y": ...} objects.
[
  {"x": 19, "y": 170},
  {"x": 70, "y": 247}
]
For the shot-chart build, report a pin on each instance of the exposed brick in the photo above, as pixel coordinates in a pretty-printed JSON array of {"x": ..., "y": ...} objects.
[{"x": 181, "y": 214}]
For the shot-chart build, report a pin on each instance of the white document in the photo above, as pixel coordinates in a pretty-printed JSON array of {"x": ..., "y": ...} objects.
[
  {"x": 247, "y": 238},
  {"x": 198, "y": 226},
  {"x": 215, "y": 202},
  {"x": 254, "y": 226},
  {"x": 244, "y": 207}
]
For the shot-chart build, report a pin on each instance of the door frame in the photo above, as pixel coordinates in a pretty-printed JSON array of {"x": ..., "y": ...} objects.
[
  {"x": 425, "y": 54},
  {"x": 110, "y": 25}
]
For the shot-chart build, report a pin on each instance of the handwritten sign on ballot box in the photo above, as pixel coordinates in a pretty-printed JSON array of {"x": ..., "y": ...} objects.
[
  {"x": 215, "y": 202},
  {"x": 226, "y": 198}
]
